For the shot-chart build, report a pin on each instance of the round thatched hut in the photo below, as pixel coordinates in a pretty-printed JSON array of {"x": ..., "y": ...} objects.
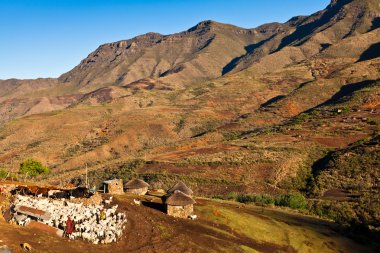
[
  {"x": 136, "y": 186},
  {"x": 179, "y": 204},
  {"x": 180, "y": 186}
]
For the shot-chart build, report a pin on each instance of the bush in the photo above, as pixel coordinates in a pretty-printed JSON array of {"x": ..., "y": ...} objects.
[
  {"x": 232, "y": 195},
  {"x": 301, "y": 118},
  {"x": 33, "y": 168},
  {"x": 294, "y": 200},
  {"x": 3, "y": 173},
  {"x": 246, "y": 198},
  {"x": 258, "y": 199},
  {"x": 375, "y": 122}
]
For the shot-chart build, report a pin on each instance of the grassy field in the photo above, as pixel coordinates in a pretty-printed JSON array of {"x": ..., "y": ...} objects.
[{"x": 276, "y": 230}]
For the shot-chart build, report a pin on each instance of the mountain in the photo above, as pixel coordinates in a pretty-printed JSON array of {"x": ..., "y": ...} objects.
[
  {"x": 206, "y": 51},
  {"x": 179, "y": 59},
  {"x": 223, "y": 108},
  {"x": 339, "y": 21},
  {"x": 176, "y": 60}
]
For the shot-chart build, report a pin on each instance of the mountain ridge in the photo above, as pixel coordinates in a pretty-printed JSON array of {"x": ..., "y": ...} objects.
[
  {"x": 186, "y": 58},
  {"x": 211, "y": 76}
]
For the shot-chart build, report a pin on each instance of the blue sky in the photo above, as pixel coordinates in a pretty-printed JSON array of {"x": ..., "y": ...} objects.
[{"x": 45, "y": 38}]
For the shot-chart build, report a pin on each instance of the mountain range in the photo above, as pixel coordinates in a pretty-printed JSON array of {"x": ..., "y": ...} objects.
[{"x": 225, "y": 108}]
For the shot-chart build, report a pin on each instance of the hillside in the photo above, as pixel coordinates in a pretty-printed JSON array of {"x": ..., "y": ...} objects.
[
  {"x": 204, "y": 52},
  {"x": 115, "y": 105},
  {"x": 223, "y": 227},
  {"x": 351, "y": 175},
  {"x": 223, "y": 108}
]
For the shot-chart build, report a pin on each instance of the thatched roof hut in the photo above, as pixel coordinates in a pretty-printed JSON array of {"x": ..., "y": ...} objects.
[
  {"x": 178, "y": 204},
  {"x": 136, "y": 186},
  {"x": 178, "y": 198},
  {"x": 181, "y": 186}
]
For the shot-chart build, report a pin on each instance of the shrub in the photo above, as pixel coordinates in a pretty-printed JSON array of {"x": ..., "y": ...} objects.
[
  {"x": 301, "y": 118},
  {"x": 293, "y": 200},
  {"x": 3, "y": 173},
  {"x": 245, "y": 198},
  {"x": 33, "y": 168},
  {"x": 346, "y": 109},
  {"x": 374, "y": 122},
  {"x": 232, "y": 195},
  {"x": 258, "y": 199},
  {"x": 267, "y": 200}
]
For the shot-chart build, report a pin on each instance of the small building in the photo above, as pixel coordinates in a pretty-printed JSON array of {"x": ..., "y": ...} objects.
[
  {"x": 114, "y": 186},
  {"x": 136, "y": 186},
  {"x": 181, "y": 186},
  {"x": 180, "y": 205}
]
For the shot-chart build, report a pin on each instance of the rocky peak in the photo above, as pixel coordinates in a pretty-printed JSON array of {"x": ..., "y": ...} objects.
[
  {"x": 206, "y": 23},
  {"x": 340, "y": 2},
  {"x": 297, "y": 20},
  {"x": 210, "y": 25}
]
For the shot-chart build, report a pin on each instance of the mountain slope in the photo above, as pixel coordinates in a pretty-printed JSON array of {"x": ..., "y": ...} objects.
[
  {"x": 204, "y": 52},
  {"x": 176, "y": 60},
  {"x": 226, "y": 108},
  {"x": 311, "y": 35},
  {"x": 199, "y": 53}
]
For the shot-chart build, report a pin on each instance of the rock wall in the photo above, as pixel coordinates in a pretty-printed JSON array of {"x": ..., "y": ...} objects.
[
  {"x": 180, "y": 211},
  {"x": 115, "y": 187}
]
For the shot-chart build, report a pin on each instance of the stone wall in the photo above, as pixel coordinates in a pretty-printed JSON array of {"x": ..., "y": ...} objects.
[
  {"x": 95, "y": 199},
  {"x": 180, "y": 211},
  {"x": 115, "y": 187}
]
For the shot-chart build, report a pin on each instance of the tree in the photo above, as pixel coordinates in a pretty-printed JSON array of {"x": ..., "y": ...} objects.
[{"x": 33, "y": 168}]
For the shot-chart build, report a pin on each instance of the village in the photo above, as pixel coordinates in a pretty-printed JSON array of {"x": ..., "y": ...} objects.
[{"x": 79, "y": 213}]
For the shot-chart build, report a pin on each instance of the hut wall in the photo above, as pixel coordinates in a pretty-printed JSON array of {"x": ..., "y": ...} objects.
[
  {"x": 115, "y": 187},
  {"x": 180, "y": 211},
  {"x": 140, "y": 191}
]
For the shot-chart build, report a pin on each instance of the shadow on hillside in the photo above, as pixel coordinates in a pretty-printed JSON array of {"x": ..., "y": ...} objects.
[
  {"x": 158, "y": 206},
  {"x": 321, "y": 164},
  {"x": 347, "y": 90},
  {"x": 249, "y": 50},
  {"x": 272, "y": 101},
  {"x": 307, "y": 29},
  {"x": 371, "y": 53},
  {"x": 375, "y": 24}
]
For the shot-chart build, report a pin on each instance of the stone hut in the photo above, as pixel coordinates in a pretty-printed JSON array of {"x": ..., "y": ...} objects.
[
  {"x": 180, "y": 205},
  {"x": 180, "y": 186},
  {"x": 114, "y": 186},
  {"x": 136, "y": 186}
]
